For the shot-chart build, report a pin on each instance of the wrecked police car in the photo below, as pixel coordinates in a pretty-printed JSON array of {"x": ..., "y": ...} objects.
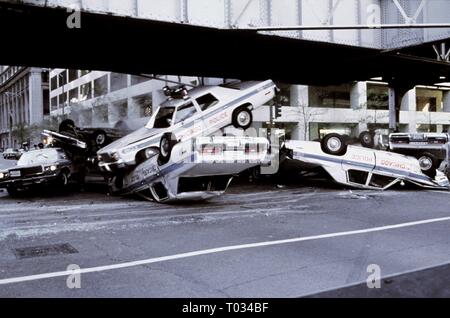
[
  {"x": 361, "y": 167},
  {"x": 199, "y": 169},
  {"x": 187, "y": 114},
  {"x": 43, "y": 166}
]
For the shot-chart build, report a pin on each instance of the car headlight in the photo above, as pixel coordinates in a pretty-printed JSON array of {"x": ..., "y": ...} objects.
[
  {"x": 50, "y": 168},
  {"x": 2, "y": 175},
  {"x": 150, "y": 152},
  {"x": 115, "y": 156},
  {"x": 130, "y": 149}
]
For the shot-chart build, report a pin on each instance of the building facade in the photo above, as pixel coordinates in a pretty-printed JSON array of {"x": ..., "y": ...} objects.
[
  {"x": 103, "y": 98},
  {"x": 24, "y": 94}
]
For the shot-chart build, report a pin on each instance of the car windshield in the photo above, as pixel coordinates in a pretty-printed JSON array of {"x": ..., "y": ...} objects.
[
  {"x": 40, "y": 157},
  {"x": 163, "y": 118}
]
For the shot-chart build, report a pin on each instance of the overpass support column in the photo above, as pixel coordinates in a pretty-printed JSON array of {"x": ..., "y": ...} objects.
[
  {"x": 446, "y": 106},
  {"x": 402, "y": 97},
  {"x": 35, "y": 103},
  {"x": 408, "y": 104},
  {"x": 300, "y": 99},
  {"x": 358, "y": 101}
]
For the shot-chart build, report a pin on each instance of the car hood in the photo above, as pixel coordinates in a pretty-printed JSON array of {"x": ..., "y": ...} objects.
[{"x": 134, "y": 137}]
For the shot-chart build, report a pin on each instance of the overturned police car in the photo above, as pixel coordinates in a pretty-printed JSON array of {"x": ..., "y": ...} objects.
[
  {"x": 185, "y": 115},
  {"x": 36, "y": 167},
  {"x": 199, "y": 169},
  {"x": 361, "y": 167}
]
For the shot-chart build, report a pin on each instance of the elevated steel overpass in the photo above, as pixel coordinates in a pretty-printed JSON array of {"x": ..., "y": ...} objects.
[{"x": 36, "y": 33}]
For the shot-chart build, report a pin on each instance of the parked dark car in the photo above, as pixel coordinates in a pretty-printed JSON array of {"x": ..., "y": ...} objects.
[
  {"x": 81, "y": 145},
  {"x": 431, "y": 149},
  {"x": 43, "y": 166},
  {"x": 95, "y": 138}
]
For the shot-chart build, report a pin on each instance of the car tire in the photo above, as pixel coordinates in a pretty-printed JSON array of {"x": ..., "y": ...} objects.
[
  {"x": 367, "y": 139},
  {"x": 66, "y": 125},
  {"x": 334, "y": 144},
  {"x": 242, "y": 118},
  {"x": 99, "y": 137},
  {"x": 12, "y": 191},
  {"x": 428, "y": 164},
  {"x": 142, "y": 156},
  {"x": 166, "y": 144},
  {"x": 63, "y": 179}
]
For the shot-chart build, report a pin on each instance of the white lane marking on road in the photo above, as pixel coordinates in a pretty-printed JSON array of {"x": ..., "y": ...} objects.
[{"x": 215, "y": 250}]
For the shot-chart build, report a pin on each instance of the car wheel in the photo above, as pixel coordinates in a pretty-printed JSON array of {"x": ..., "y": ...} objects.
[
  {"x": 428, "y": 164},
  {"x": 367, "y": 139},
  {"x": 63, "y": 179},
  {"x": 242, "y": 118},
  {"x": 66, "y": 125},
  {"x": 334, "y": 144},
  {"x": 99, "y": 137},
  {"x": 166, "y": 144},
  {"x": 12, "y": 191}
]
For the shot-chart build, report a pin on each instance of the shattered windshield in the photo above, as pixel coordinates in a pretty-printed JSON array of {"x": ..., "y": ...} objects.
[
  {"x": 40, "y": 157},
  {"x": 163, "y": 118}
]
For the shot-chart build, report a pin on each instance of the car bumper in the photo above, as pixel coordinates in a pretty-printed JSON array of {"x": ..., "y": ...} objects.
[{"x": 23, "y": 182}]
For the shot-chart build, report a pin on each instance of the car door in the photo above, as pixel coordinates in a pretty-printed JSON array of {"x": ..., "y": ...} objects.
[
  {"x": 358, "y": 162},
  {"x": 187, "y": 121}
]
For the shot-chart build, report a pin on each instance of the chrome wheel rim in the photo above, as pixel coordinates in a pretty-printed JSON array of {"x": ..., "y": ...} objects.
[
  {"x": 334, "y": 144},
  {"x": 425, "y": 163},
  {"x": 243, "y": 118},
  {"x": 100, "y": 139}
]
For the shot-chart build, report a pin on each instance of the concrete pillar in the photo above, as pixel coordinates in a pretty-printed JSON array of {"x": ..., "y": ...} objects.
[
  {"x": 300, "y": 99},
  {"x": 36, "y": 101},
  {"x": 358, "y": 100},
  {"x": 408, "y": 103},
  {"x": 446, "y": 107}
]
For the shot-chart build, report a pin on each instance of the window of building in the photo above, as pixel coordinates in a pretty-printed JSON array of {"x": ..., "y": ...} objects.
[
  {"x": 206, "y": 101},
  {"x": 284, "y": 95},
  {"x": 144, "y": 104},
  {"x": 118, "y": 81},
  {"x": 54, "y": 103},
  {"x": 73, "y": 75},
  {"x": 377, "y": 97},
  {"x": 85, "y": 91},
  {"x": 73, "y": 95},
  {"x": 101, "y": 86},
  {"x": 54, "y": 82},
  {"x": 101, "y": 115},
  {"x": 62, "y": 78},
  {"x": 84, "y": 72},
  {"x": 121, "y": 108},
  {"x": 330, "y": 96},
  {"x": 138, "y": 79},
  {"x": 426, "y": 104},
  {"x": 63, "y": 99}
]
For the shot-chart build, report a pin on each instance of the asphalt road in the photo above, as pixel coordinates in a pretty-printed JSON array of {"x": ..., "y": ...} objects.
[{"x": 105, "y": 230}]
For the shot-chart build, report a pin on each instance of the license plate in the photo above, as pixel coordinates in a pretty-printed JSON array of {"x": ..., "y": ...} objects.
[
  {"x": 15, "y": 173},
  {"x": 419, "y": 143}
]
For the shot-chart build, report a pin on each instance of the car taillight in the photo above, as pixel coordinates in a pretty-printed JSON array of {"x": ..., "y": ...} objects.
[
  {"x": 212, "y": 150},
  {"x": 438, "y": 141},
  {"x": 251, "y": 148}
]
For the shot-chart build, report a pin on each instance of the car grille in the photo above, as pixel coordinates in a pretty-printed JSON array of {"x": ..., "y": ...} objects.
[
  {"x": 24, "y": 172},
  {"x": 106, "y": 158}
]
